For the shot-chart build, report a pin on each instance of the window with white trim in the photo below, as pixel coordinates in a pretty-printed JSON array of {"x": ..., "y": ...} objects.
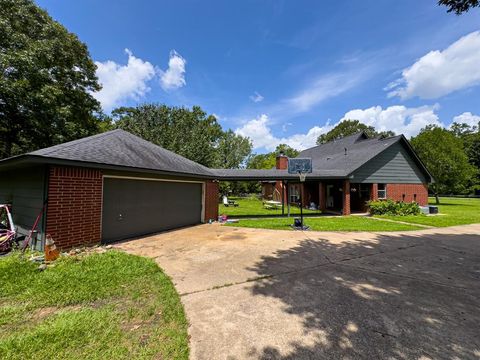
[{"x": 382, "y": 191}]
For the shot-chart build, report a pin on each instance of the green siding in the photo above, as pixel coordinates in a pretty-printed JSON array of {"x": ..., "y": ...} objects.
[
  {"x": 394, "y": 165},
  {"x": 24, "y": 189}
]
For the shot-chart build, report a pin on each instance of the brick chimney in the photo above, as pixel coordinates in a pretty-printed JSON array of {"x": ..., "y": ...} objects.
[{"x": 282, "y": 162}]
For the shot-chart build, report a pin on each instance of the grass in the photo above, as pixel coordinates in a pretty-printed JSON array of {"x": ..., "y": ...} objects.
[
  {"x": 251, "y": 206},
  {"x": 110, "y": 305},
  {"x": 453, "y": 211},
  {"x": 340, "y": 223}
]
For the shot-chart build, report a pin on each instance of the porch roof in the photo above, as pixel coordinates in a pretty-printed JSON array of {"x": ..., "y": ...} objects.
[{"x": 273, "y": 174}]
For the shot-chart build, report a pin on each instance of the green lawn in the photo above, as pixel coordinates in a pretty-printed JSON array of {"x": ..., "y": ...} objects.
[
  {"x": 340, "y": 223},
  {"x": 251, "y": 206},
  {"x": 100, "y": 306},
  {"x": 453, "y": 211}
]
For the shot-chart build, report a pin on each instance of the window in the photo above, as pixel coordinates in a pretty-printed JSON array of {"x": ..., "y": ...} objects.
[
  {"x": 382, "y": 191},
  {"x": 294, "y": 193}
]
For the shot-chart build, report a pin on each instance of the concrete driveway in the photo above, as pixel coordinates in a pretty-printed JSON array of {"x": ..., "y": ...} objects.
[{"x": 265, "y": 294}]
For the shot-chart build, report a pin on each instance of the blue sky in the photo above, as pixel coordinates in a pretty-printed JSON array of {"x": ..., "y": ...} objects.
[{"x": 286, "y": 71}]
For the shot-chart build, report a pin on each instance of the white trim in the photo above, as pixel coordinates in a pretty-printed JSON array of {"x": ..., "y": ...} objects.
[{"x": 203, "y": 183}]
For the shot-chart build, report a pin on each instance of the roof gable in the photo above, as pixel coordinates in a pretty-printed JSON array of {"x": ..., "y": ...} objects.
[{"x": 350, "y": 153}]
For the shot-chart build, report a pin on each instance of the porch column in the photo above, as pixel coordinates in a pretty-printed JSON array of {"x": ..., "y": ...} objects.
[
  {"x": 322, "y": 203},
  {"x": 374, "y": 192},
  {"x": 346, "y": 197}
]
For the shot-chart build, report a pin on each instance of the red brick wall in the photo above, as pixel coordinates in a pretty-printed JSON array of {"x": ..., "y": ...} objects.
[
  {"x": 346, "y": 197},
  {"x": 282, "y": 162},
  {"x": 397, "y": 191},
  {"x": 211, "y": 200},
  {"x": 74, "y": 206},
  {"x": 374, "y": 192}
]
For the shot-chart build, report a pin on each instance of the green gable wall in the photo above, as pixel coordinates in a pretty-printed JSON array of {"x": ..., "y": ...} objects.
[{"x": 394, "y": 165}]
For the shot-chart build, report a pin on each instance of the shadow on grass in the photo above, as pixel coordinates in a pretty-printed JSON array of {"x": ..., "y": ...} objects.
[{"x": 396, "y": 297}]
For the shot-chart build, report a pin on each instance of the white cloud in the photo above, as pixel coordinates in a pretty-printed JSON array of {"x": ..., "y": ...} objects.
[
  {"x": 260, "y": 132},
  {"x": 398, "y": 118},
  {"x": 467, "y": 118},
  {"x": 439, "y": 73},
  {"x": 256, "y": 97},
  {"x": 174, "y": 76},
  {"x": 321, "y": 89},
  {"x": 123, "y": 82}
]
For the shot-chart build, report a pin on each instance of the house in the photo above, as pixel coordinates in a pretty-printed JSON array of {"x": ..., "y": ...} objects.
[
  {"x": 115, "y": 185},
  {"x": 350, "y": 171}
]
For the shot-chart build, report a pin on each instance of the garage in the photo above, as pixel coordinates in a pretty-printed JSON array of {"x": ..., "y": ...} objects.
[{"x": 134, "y": 207}]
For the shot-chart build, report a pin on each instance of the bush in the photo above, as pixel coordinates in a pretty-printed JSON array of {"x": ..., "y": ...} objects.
[{"x": 390, "y": 207}]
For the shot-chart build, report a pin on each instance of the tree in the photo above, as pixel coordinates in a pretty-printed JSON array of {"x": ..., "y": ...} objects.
[
  {"x": 445, "y": 158},
  {"x": 47, "y": 81},
  {"x": 187, "y": 132},
  {"x": 268, "y": 160},
  {"x": 459, "y": 6},
  {"x": 349, "y": 127},
  {"x": 232, "y": 150}
]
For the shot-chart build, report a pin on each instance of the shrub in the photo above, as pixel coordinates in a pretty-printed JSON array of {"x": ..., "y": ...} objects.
[{"x": 390, "y": 207}]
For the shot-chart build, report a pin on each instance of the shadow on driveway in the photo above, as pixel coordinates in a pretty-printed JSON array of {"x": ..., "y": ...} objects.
[{"x": 398, "y": 297}]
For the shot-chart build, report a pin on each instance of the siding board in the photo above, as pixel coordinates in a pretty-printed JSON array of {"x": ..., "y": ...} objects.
[
  {"x": 394, "y": 165},
  {"x": 24, "y": 189}
]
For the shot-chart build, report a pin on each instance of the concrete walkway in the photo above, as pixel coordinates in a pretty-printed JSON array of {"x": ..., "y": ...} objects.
[{"x": 266, "y": 294}]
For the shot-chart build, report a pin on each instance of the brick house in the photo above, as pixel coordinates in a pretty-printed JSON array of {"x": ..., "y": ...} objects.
[
  {"x": 350, "y": 171},
  {"x": 115, "y": 185}
]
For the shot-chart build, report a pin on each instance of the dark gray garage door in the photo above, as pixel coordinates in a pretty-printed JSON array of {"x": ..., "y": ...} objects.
[{"x": 138, "y": 207}]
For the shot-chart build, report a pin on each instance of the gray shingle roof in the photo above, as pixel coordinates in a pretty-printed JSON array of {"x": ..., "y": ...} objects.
[
  {"x": 120, "y": 148},
  {"x": 347, "y": 154}
]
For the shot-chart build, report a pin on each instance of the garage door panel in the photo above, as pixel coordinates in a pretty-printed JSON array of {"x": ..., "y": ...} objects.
[{"x": 137, "y": 207}]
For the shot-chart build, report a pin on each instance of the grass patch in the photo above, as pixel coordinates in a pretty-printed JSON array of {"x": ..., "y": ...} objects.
[
  {"x": 453, "y": 211},
  {"x": 340, "y": 223},
  {"x": 110, "y": 305},
  {"x": 252, "y": 206}
]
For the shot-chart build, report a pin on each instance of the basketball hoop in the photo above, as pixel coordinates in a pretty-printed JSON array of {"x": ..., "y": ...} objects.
[{"x": 302, "y": 176}]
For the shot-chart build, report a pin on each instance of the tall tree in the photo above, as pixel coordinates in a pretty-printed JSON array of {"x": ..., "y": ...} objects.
[
  {"x": 349, "y": 127},
  {"x": 188, "y": 132},
  {"x": 232, "y": 150},
  {"x": 459, "y": 6},
  {"x": 47, "y": 80},
  {"x": 445, "y": 158}
]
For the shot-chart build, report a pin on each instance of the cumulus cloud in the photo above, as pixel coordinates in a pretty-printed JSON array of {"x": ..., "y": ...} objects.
[
  {"x": 259, "y": 130},
  {"x": 123, "y": 82},
  {"x": 398, "y": 118},
  {"x": 174, "y": 76},
  {"x": 439, "y": 73},
  {"x": 467, "y": 118},
  {"x": 256, "y": 97}
]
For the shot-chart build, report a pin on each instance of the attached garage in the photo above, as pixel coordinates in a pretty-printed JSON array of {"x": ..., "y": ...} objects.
[{"x": 134, "y": 207}]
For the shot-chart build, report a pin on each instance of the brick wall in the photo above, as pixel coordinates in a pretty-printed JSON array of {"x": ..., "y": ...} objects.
[
  {"x": 408, "y": 193},
  {"x": 74, "y": 206},
  {"x": 281, "y": 162},
  {"x": 211, "y": 200},
  {"x": 374, "y": 192},
  {"x": 346, "y": 197}
]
